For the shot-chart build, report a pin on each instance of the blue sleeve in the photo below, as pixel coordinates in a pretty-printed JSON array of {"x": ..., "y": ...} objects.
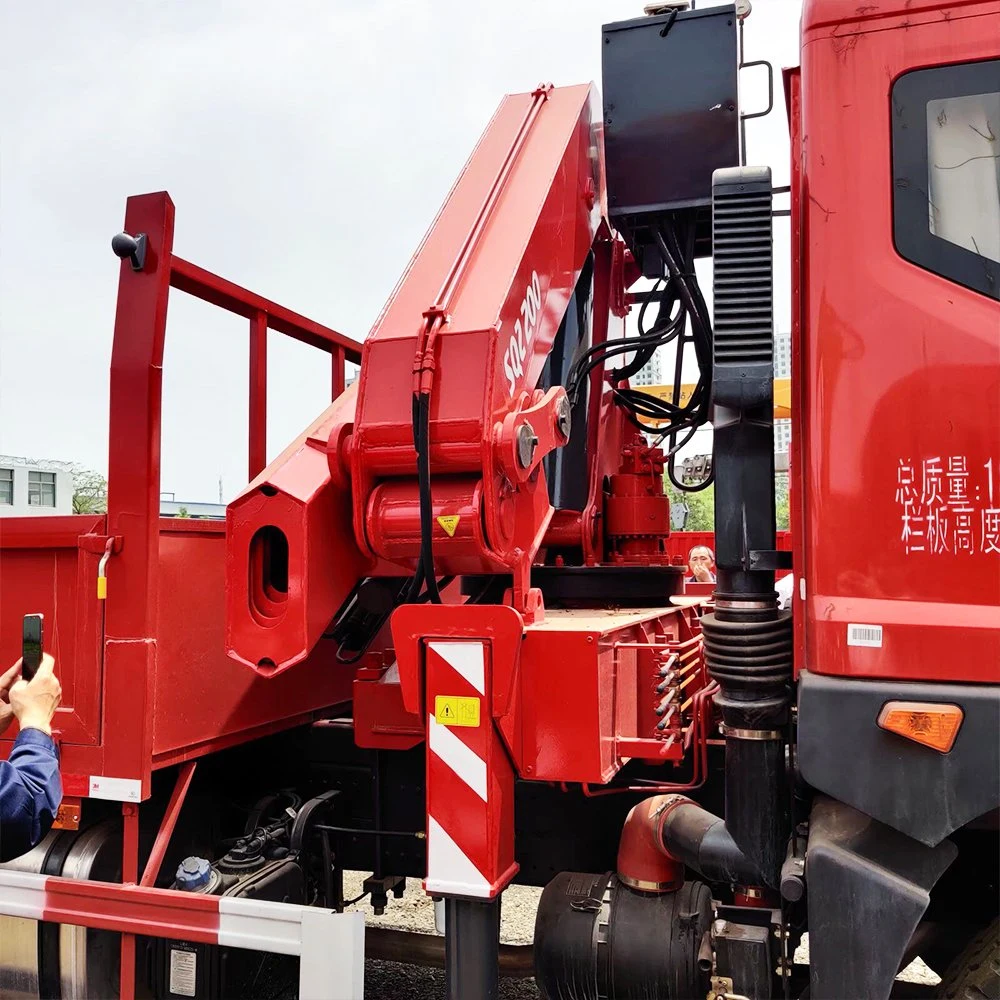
[{"x": 30, "y": 793}]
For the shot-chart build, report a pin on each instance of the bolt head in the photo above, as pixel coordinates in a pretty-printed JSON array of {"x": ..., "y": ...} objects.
[
  {"x": 527, "y": 442},
  {"x": 564, "y": 417}
]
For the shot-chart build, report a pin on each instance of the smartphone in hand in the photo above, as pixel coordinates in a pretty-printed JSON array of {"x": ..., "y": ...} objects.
[{"x": 31, "y": 645}]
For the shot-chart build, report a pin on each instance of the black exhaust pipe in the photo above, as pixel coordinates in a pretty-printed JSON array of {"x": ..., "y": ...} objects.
[{"x": 748, "y": 641}]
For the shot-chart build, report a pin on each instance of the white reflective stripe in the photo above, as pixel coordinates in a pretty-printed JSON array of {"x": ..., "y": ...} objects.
[
  {"x": 449, "y": 869},
  {"x": 331, "y": 945},
  {"x": 115, "y": 789},
  {"x": 452, "y": 751},
  {"x": 22, "y": 894},
  {"x": 333, "y": 955},
  {"x": 260, "y": 925},
  {"x": 465, "y": 657}
]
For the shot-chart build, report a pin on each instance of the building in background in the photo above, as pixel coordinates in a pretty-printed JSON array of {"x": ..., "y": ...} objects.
[
  {"x": 782, "y": 369},
  {"x": 31, "y": 487},
  {"x": 650, "y": 375},
  {"x": 169, "y": 507}
]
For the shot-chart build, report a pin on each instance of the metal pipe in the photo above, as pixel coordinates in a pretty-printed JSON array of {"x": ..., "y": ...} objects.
[
  {"x": 666, "y": 833},
  {"x": 407, "y": 947},
  {"x": 705, "y": 961},
  {"x": 361, "y": 831},
  {"x": 701, "y": 841},
  {"x": 471, "y": 948}
]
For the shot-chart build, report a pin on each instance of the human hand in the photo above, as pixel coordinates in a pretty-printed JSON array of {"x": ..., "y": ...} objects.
[
  {"x": 700, "y": 560},
  {"x": 6, "y": 682},
  {"x": 34, "y": 702}
]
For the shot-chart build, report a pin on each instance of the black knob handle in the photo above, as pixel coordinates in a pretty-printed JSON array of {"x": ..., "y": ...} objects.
[{"x": 132, "y": 248}]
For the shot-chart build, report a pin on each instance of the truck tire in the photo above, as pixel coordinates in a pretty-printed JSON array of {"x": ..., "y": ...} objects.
[{"x": 975, "y": 974}]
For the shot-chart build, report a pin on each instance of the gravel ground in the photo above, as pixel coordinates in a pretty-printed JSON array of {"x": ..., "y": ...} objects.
[
  {"x": 415, "y": 912},
  {"x": 916, "y": 972}
]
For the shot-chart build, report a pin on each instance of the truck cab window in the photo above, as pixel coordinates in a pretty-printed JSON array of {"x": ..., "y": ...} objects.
[
  {"x": 963, "y": 171},
  {"x": 946, "y": 167}
]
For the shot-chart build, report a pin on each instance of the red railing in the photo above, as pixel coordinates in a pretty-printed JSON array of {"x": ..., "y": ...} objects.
[
  {"x": 134, "y": 477},
  {"x": 680, "y": 543}
]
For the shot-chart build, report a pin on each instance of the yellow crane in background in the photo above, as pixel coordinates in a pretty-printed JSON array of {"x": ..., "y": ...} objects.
[{"x": 782, "y": 396}]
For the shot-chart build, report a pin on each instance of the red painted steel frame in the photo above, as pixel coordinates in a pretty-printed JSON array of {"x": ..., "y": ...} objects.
[
  {"x": 469, "y": 326},
  {"x": 897, "y": 369},
  {"x": 145, "y": 677},
  {"x": 498, "y": 268},
  {"x": 575, "y": 696}
]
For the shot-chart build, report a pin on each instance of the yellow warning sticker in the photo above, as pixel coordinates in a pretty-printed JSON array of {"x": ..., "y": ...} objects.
[
  {"x": 451, "y": 710},
  {"x": 449, "y": 522}
]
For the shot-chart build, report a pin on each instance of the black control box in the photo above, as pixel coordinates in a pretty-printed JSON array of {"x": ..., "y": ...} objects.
[{"x": 671, "y": 117}]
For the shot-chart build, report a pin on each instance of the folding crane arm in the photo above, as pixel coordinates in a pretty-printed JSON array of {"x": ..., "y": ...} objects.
[{"x": 436, "y": 462}]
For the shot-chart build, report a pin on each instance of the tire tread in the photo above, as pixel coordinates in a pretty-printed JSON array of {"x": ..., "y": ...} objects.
[{"x": 975, "y": 974}]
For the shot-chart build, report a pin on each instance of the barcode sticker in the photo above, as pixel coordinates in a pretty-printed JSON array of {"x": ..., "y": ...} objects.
[
  {"x": 183, "y": 973},
  {"x": 864, "y": 635}
]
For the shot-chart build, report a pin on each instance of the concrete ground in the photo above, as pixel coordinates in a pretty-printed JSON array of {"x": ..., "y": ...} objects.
[{"x": 415, "y": 912}]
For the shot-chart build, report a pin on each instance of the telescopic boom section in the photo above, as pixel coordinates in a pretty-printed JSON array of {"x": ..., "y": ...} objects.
[{"x": 434, "y": 466}]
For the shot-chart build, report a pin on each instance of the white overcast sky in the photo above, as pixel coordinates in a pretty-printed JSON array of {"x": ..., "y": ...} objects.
[{"x": 307, "y": 146}]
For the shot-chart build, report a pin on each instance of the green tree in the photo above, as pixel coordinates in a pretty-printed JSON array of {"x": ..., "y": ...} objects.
[
  {"x": 90, "y": 492},
  {"x": 781, "y": 509},
  {"x": 182, "y": 512},
  {"x": 700, "y": 505}
]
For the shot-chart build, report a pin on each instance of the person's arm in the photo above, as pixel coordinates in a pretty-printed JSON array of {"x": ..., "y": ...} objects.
[
  {"x": 30, "y": 786},
  {"x": 30, "y": 793}
]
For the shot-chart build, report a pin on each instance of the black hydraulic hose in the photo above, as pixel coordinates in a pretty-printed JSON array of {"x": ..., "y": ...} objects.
[
  {"x": 424, "y": 487},
  {"x": 417, "y": 581}
]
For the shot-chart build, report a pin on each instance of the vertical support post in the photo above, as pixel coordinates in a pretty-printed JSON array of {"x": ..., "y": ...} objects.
[
  {"x": 130, "y": 844},
  {"x": 134, "y": 500},
  {"x": 464, "y": 688},
  {"x": 337, "y": 372},
  {"x": 130, "y": 873},
  {"x": 134, "y": 419},
  {"x": 130, "y": 615},
  {"x": 472, "y": 948},
  {"x": 258, "y": 394},
  {"x": 470, "y": 813}
]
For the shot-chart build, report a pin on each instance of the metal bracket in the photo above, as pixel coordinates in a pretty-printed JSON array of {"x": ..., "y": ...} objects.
[
  {"x": 379, "y": 888},
  {"x": 722, "y": 989},
  {"x": 98, "y": 544}
]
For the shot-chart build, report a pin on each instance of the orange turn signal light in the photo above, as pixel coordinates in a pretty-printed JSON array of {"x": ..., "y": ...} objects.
[{"x": 932, "y": 725}]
